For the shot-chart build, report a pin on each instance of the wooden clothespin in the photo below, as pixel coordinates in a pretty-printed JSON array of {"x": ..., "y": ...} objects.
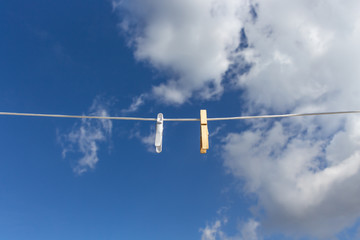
[
  {"x": 159, "y": 132},
  {"x": 204, "y": 132}
]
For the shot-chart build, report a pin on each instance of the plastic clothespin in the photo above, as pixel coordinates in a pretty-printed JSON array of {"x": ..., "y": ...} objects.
[
  {"x": 204, "y": 132},
  {"x": 159, "y": 132}
]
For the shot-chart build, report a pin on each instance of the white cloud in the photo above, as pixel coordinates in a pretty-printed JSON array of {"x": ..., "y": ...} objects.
[
  {"x": 136, "y": 104},
  {"x": 306, "y": 52},
  {"x": 303, "y": 182},
  {"x": 210, "y": 232},
  {"x": 216, "y": 131},
  {"x": 147, "y": 140},
  {"x": 85, "y": 137},
  {"x": 304, "y": 57},
  {"x": 247, "y": 231},
  {"x": 196, "y": 40}
]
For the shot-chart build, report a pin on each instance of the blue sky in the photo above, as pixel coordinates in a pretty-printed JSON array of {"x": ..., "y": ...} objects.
[{"x": 279, "y": 179}]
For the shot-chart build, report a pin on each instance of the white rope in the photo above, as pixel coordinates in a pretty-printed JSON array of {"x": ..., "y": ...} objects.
[
  {"x": 283, "y": 115},
  {"x": 75, "y": 116},
  {"x": 176, "y": 119},
  {"x": 182, "y": 119}
]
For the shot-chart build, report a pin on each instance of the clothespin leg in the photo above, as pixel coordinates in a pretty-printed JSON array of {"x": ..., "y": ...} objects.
[{"x": 158, "y": 149}]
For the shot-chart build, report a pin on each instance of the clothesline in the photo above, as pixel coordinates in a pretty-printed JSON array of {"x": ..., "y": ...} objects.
[
  {"x": 176, "y": 119},
  {"x": 204, "y": 132}
]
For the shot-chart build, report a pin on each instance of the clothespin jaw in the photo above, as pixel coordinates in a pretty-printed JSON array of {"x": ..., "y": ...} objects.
[
  {"x": 159, "y": 132},
  {"x": 204, "y": 132}
]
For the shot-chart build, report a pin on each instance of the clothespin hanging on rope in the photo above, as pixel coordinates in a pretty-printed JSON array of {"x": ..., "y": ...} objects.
[
  {"x": 159, "y": 132},
  {"x": 204, "y": 132}
]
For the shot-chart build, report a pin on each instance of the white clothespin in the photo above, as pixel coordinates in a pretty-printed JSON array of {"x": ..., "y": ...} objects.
[{"x": 159, "y": 132}]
